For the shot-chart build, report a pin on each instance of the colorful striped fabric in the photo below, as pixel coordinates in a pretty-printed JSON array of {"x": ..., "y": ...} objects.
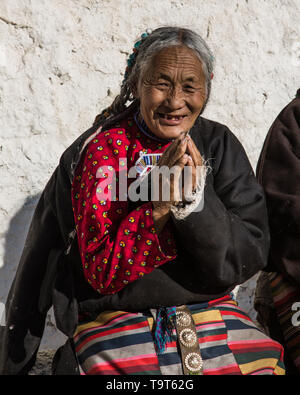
[
  {"x": 121, "y": 343},
  {"x": 284, "y": 296},
  {"x": 116, "y": 343}
]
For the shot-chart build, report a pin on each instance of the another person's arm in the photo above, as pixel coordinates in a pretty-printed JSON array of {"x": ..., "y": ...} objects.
[{"x": 278, "y": 171}]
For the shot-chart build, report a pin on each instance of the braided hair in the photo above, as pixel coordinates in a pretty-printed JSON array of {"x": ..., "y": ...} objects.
[{"x": 144, "y": 49}]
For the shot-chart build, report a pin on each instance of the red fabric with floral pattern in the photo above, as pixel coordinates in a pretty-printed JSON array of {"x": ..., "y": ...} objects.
[{"x": 116, "y": 246}]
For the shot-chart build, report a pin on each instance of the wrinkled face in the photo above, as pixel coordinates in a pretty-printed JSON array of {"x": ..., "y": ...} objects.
[{"x": 172, "y": 92}]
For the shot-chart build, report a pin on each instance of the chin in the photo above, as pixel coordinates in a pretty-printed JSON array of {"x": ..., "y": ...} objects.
[
  {"x": 171, "y": 132},
  {"x": 167, "y": 133}
]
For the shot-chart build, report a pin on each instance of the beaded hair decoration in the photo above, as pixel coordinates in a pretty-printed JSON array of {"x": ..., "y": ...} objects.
[
  {"x": 133, "y": 55},
  {"x": 130, "y": 63}
]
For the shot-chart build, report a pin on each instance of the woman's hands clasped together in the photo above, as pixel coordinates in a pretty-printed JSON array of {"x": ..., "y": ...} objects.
[{"x": 175, "y": 185}]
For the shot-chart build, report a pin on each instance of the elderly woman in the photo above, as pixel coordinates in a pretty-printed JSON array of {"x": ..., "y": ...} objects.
[{"x": 143, "y": 286}]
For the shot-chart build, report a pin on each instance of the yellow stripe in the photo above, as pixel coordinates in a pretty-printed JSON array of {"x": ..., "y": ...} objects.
[
  {"x": 102, "y": 319},
  {"x": 150, "y": 322},
  {"x": 250, "y": 367},
  {"x": 207, "y": 316},
  {"x": 279, "y": 371}
]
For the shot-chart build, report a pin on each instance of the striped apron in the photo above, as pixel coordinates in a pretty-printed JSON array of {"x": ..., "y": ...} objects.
[{"x": 121, "y": 343}]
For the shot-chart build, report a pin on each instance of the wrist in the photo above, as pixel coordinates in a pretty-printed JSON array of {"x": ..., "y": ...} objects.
[
  {"x": 160, "y": 211},
  {"x": 160, "y": 216}
]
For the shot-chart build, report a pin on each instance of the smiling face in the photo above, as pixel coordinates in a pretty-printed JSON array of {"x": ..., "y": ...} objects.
[{"x": 172, "y": 92}]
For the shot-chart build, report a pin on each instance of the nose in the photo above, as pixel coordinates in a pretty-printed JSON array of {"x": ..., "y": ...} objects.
[{"x": 175, "y": 98}]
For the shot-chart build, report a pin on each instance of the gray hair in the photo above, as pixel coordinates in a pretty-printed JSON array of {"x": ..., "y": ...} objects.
[{"x": 163, "y": 37}]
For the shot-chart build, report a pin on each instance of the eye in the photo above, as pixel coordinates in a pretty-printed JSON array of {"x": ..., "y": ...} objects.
[
  {"x": 162, "y": 84},
  {"x": 189, "y": 88}
]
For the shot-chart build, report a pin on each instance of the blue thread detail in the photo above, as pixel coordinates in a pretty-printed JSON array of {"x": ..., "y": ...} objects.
[{"x": 165, "y": 317}]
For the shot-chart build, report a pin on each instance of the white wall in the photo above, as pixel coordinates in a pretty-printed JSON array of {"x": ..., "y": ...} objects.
[{"x": 61, "y": 61}]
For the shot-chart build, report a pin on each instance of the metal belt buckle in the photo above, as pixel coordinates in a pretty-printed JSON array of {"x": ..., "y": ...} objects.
[{"x": 192, "y": 362}]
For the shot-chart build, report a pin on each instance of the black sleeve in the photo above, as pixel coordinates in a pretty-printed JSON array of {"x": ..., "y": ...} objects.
[
  {"x": 278, "y": 171},
  {"x": 227, "y": 242}
]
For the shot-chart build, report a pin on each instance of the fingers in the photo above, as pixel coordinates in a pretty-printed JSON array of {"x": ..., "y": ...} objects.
[
  {"x": 165, "y": 156},
  {"x": 189, "y": 182},
  {"x": 170, "y": 186},
  {"x": 176, "y": 180},
  {"x": 174, "y": 152},
  {"x": 192, "y": 179},
  {"x": 179, "y": 155},
  {"x": 168, "y": 152},
  {"x": 193, "y": 151}
]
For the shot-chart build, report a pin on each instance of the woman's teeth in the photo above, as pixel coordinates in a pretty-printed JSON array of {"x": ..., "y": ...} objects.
[{"x": 171, "y": 117}]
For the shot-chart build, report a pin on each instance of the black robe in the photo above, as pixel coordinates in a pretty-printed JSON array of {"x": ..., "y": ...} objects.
[{"x": 218, "y": 248}]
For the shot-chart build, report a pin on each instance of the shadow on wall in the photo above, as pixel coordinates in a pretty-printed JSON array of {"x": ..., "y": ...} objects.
[
  {"x": 13, "y": 247},
  {"x": 14, "y": 242}
]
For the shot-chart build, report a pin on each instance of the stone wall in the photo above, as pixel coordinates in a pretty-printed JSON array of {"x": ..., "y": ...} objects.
[{"x": 62, "y": 61}]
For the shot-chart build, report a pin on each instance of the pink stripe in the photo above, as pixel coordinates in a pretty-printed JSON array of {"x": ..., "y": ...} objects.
[
  {"x": 124, "y": 371},
  {"x": 212, "y": 338},
  {"x": 255, "y": 344},
  {"x": 119, "y": 369},
  {"x": 234, "y": 367},
  {"x": 262, "y": 371},
  {"x": 144, "y": 356},
  {"x": 143, "y": 361},
  {"x": 126, "y": 328},
  {"x": 254, "y": 341},
  {"x": 235, "y": 313}
]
